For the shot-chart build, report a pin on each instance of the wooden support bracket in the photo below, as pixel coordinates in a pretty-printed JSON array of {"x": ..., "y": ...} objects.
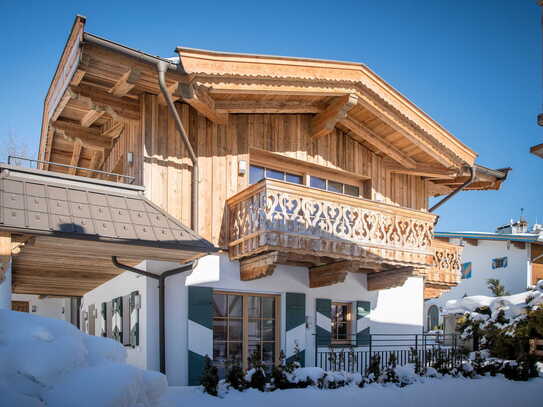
[
  {"x": 126, "y": 83},
  {"x": 198, "y": 97},
  {"x": 259, "y": 266},
  {"x": 332, "y": 273},
  {"x": 390, "y": 278},
  {"x": 325, "y": 122}
]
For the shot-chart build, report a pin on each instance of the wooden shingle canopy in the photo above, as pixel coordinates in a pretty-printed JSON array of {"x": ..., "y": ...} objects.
[
  {"x": 70, "y": 226},
  {"x": 95, "y": 88}
]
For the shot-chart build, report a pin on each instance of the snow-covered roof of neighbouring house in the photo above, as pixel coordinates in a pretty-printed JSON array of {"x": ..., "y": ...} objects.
[
  {"x": 520, "y": 237},
  {"x": 512, "y": 305}
]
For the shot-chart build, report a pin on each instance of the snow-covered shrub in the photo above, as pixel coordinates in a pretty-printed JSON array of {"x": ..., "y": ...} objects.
[
  {"x": 374, "y": 369},
  {"x": 235, "y": 377},
  {"x": 49, "y": 362},
  {"x": 256, "y": 376},
  {"x": 503, "y": 326},
  {"x": 210, "y": 377}
]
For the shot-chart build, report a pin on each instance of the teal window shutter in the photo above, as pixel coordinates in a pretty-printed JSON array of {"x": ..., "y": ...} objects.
[
  {"x": 323, "y": 325},
  {"x": 362, "y": 323},
  {"x": 103, "y": 314},
  {"x": 200, "y": 341},
  {"x": 134, "y": 319},
  {"x": 295, "y": 327},
  {"x": 117, "y": 325}
]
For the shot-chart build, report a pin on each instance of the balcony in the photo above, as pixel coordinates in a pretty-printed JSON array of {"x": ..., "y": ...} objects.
[
  {"x": 445, "y": 271},
  {"x": 305, "y": 225}
]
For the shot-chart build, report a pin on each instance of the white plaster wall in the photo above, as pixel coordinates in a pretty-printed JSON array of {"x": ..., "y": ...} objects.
[
  {"x": 397, "y": 310},
  {"x": 146, "y": 354},
  {"x": 58, "y": 308},
  {"x": 514, "y": 277},
  {"x": 5, "y": 288}
]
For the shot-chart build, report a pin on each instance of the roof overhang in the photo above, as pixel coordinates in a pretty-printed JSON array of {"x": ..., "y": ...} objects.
[{"x": 71, "y": 226}]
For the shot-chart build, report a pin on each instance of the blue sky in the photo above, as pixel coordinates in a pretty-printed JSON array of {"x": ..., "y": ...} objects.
[{"x": 474, "y": 66}]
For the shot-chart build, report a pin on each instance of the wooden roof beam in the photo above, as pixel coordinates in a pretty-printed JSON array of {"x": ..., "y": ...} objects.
[
  {"x": 324, "y": 123},
  {"x": 266, "y": 106},
  {"x": 75, "y": 157},
  {"x": 68, "y": 95},
  {"x": 175, "y": 94},
  {"x": 198, "y": 97},
  {"x": 421, "y": 170},
  {"x": 96, "y": 163},
  {"x": 78, "y": 77},
  {"x": 360, "y": 131},
  {"x": 391, "y": 118},
  {"x": 92, "y": 115},
  {"x": 89, "y": 138},
  {"x": 126, "y": 82}
]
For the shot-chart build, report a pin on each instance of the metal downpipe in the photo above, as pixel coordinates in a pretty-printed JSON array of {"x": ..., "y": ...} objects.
[
  {"x": 161, "y": 300},
  {"x": 162, "y": 67},
  {"x": 457, "y": 190}
]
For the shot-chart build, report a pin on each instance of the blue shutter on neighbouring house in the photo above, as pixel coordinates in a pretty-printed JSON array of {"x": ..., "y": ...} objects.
[
  {"x": 363, "y": 323},
  {"x": 295, "y": 327},
  {"x": 200, "y": 330},
  {"x": 323, "y": 325}
]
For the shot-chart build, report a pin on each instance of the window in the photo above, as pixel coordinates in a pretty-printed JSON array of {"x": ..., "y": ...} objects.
[
  {"x": 244, "y": 324},
  {"x": 257, "y": 173},
  {"x": 334, "y": 186},
  {"x": 500, "y": 262},
  {"x": 341, "y": 322},
  {"x": 466, "y": 270}
]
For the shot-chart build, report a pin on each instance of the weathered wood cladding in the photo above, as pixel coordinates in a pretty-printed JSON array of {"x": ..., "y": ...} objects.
[{"x": 167, "y": 168}]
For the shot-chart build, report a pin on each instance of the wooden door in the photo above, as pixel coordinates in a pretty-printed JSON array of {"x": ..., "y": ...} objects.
[
  {"x": 21, "y": 306},
  {"x": 537, "y": 272}
]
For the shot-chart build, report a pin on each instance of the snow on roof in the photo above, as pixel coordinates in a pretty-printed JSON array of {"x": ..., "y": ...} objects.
[
  {"x": 525, "y": 237},
  {"x": 513, "y": 305}
]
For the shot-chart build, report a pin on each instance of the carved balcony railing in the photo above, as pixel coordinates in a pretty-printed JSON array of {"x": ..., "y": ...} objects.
[
  {"x": 445, "y": 271},
  {"x": 275, "y": 215}
]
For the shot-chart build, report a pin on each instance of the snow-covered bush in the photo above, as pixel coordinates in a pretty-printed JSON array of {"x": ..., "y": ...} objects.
[
  {"x": 49, "y": 362},
  {"x": 210, "y": 377},
  {"x": 502, "y": 326}
]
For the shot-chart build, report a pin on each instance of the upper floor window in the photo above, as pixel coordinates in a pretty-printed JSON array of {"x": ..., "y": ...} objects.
[
  {"x": 466, "y": 270},
  {"x": 257, "y": 173},
  {"x": 500, "y": 262},
  {"x": 341, "y": 322},
  {"x": 334, "y": 186}
]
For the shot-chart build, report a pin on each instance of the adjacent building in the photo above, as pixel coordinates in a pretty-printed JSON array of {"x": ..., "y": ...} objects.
[{"x": 513, "y": 254}]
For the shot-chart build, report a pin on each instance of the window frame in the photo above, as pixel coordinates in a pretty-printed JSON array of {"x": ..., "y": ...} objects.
[
  {"x": 364, "y": 184},
  {"x": 245, "y": 323},
  {"x": 271, "y": 168},
  {"x": 349, "y": 323},
  {"x": 500, "y": 262}
]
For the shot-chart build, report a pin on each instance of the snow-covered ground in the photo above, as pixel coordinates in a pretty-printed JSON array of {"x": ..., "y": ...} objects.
[
  {"x": 441, "y": 392},
  {"x": 49, "y": 362}
]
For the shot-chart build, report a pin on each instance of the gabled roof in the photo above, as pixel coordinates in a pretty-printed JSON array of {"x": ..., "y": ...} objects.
[
  {"x": 45, "y": 203},
  {"x": 333, "y": 76}
]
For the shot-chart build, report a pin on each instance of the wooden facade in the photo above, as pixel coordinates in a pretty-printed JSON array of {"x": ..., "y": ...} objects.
[{"x": 334, "y": 120}]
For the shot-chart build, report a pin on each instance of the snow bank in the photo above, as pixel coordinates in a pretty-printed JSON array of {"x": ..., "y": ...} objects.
[
  {"x": 49, "y": 362},
  {"x": 512, "y": 305}
]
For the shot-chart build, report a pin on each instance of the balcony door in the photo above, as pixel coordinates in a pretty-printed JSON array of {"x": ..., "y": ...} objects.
[{"x": 244, "y": 326}]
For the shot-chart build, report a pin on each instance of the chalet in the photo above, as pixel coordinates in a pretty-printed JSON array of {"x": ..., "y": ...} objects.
[{"x": 258, "y": 204}]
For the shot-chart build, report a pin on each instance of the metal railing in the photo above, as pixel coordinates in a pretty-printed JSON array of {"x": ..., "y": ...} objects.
[
  {"x": 13, "y": 160},
  {"x": 356, "y": 356}
]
